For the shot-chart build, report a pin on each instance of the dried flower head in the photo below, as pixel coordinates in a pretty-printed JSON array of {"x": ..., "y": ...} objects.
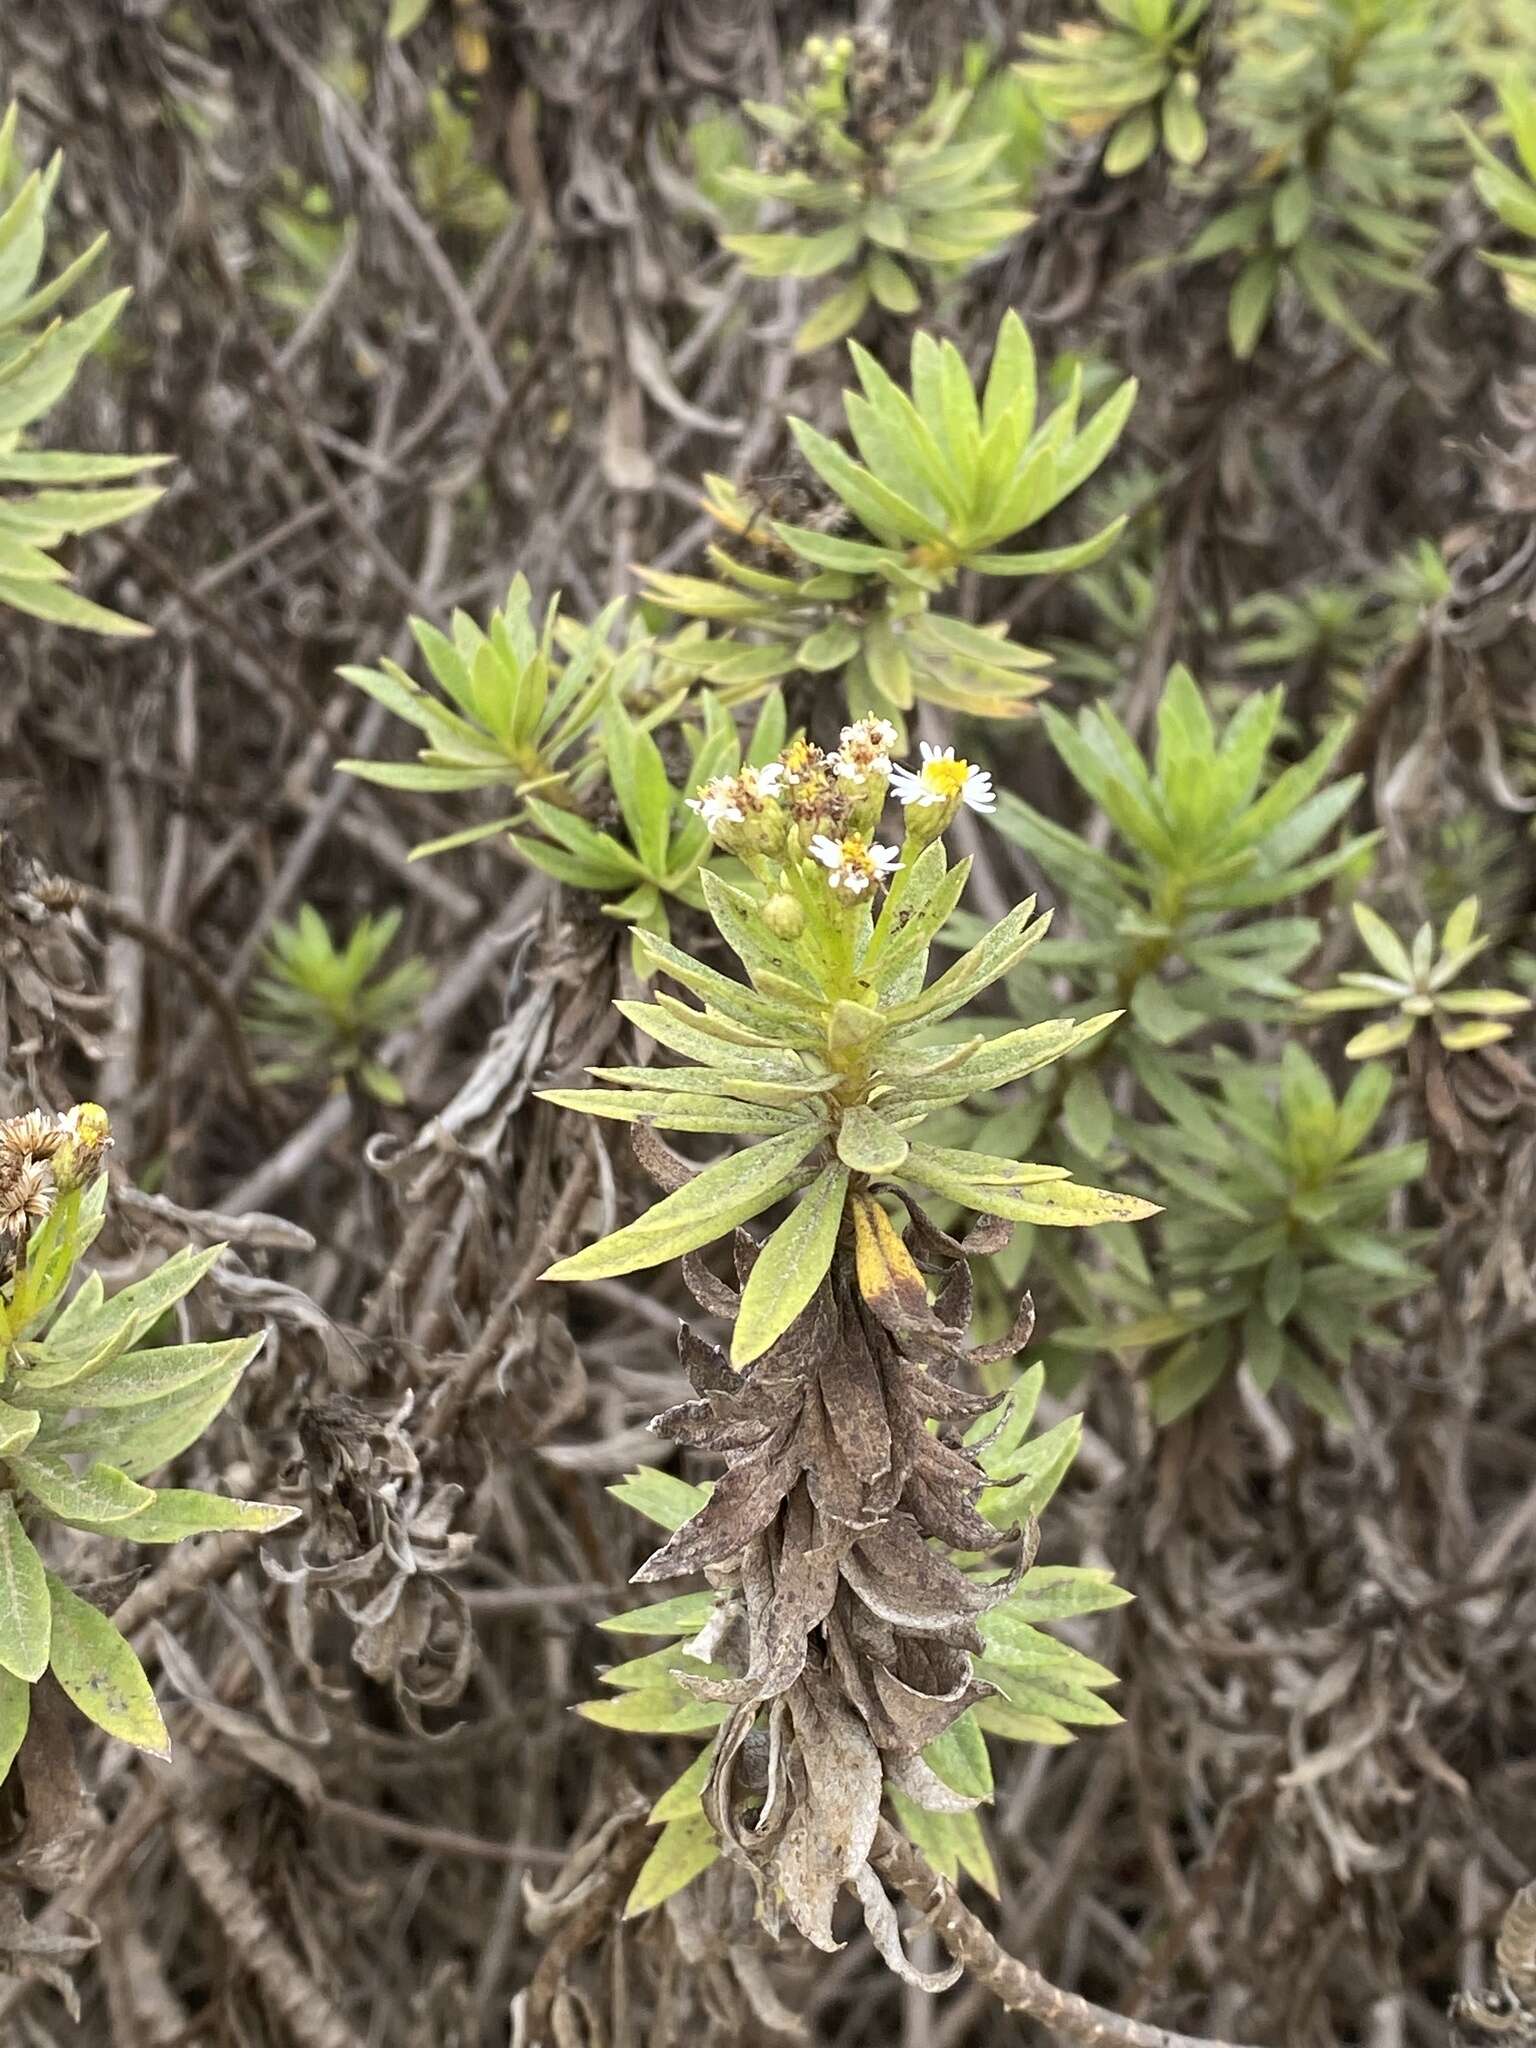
[
  {"x": 27, "y": 1192},
  {"x": 36, "y": 1135}
]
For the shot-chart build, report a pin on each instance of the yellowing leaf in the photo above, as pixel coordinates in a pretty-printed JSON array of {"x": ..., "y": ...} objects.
[{"x": 887, "y": 1273}]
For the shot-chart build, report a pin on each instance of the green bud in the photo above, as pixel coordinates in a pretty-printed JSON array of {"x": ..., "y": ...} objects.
[
  {"x": 79, "y": 1158},
  {"x": 784, "y": 917}
]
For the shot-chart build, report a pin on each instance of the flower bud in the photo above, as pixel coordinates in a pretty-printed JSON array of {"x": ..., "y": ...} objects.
[
  {"x": 79, "y": 1158},
  {"x": 783, "y": 916}
]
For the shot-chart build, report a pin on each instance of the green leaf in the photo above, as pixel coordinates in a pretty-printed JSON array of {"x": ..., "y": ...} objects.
[
  {"x": 1077, "y": 554},
  {"x": 1251, "y": 302},
  {"x": 884, "y": 511},
  {"x": 404, "y": 15},
  {"x": 1011, "y": 378},
  {"x": 144, "y": 1438},
  {"x": 117, "y": 1321},
  {"x": 1020, "y": 1646},
  {"x": 1188, "y": 1376},
  {"x": 715, "y": 1201},
  {"x": 658, "y": 1710},
  {"x": 685, "y": 1849},
  {"x": 1377, "y": 1039},
  {"x": 100, "y": 1494},
  {"x": 63, "y": 607},
  {"x": 1292, "y": 209},
  {"x": 837, "y": 315},
  {"x": 1460, "y": 926},
  {"x": 1064, "y": 1204},
  {"x": 1183, "y": 124},
  {"x": 1388, "y": 950},
  {"x": 15, "y": 1713},
  {"x": 24, "y": 1611},
  {"x": 996, "y": 955},
  {"x": 639, "y": 778},
  {"x": 660, "y": 1497},
  {"x": 1468, "y": 1037},
  {"x": 100, "y": 1673},
  {"x": 177, "y": 1513},
  {"x": 868, "y": 1144},
  {"x": 1051, "y": 1592},
  {"x": 959, "y": 1757},
  {"x": 783, "y": 255},
  {"x": 26, "y": 397},
  {"x": 1485, "y": 1002},
  {"x": 682, "y": 1796},
  {"x": 1058, "y": 1698},
  {"x": 1131, "y": 144},
  {"x": 683, "y": 1616},
  {"x": 18, "y": 1426},
  {"x": 1282, "y": 1287},
  {"x": 1032, "y": 1475},
  {"x": 790, "y": 1267},
  {"x": 1085, "y": 1111},
  {"x": 1316, "y": 1389},
  {"x": 999, "y": 1717},
  {"x": 891, "y": 284},
  {"x": 138, "y": 1376}
]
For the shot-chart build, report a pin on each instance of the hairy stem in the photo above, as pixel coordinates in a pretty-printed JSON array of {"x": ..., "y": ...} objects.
[{"x": 1016, "y": 1986}]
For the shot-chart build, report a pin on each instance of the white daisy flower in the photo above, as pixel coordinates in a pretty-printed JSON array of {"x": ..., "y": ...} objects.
[
  {"x": 944, "y": 780},
  {"x": 854, "y": 864},
  {"x": 851, "y": 768},
  {"x": 876, "y": 733},
  {"x": 765, "y": 781},
  {"x": 717, "y": 802},
  {"x": 865, "y": 752}
]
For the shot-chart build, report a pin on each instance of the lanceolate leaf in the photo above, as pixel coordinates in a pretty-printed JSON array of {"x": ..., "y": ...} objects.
[
  {"x": 100, "y": 1673},
  {"x": 685, "y": 1848},
  {"x": 24, "y": 1611},
  {"x": 173, "y": 1515},
  {"x": 715, "y": 1201},
  {"x": 139, "y": 1376},
  {"x": 100, "y": 1494},
  {"x": 684, "y": 1616},
  {"x": 790, "y": 1267},
  {"x": 141, "y": 1439},
  {"x": 15, "y": 1713}
]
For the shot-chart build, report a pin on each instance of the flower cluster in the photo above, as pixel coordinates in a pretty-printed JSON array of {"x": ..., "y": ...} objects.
[
  {"x": 828, "y": 806},
  {"x": 41, "y": 1157}
]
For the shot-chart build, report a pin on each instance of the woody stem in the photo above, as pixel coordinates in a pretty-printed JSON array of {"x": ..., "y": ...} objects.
[{"x": 1016, "y": 1986}]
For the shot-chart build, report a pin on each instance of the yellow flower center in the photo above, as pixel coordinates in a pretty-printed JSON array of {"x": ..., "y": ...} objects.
[{"x": 946, "y": 778}]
